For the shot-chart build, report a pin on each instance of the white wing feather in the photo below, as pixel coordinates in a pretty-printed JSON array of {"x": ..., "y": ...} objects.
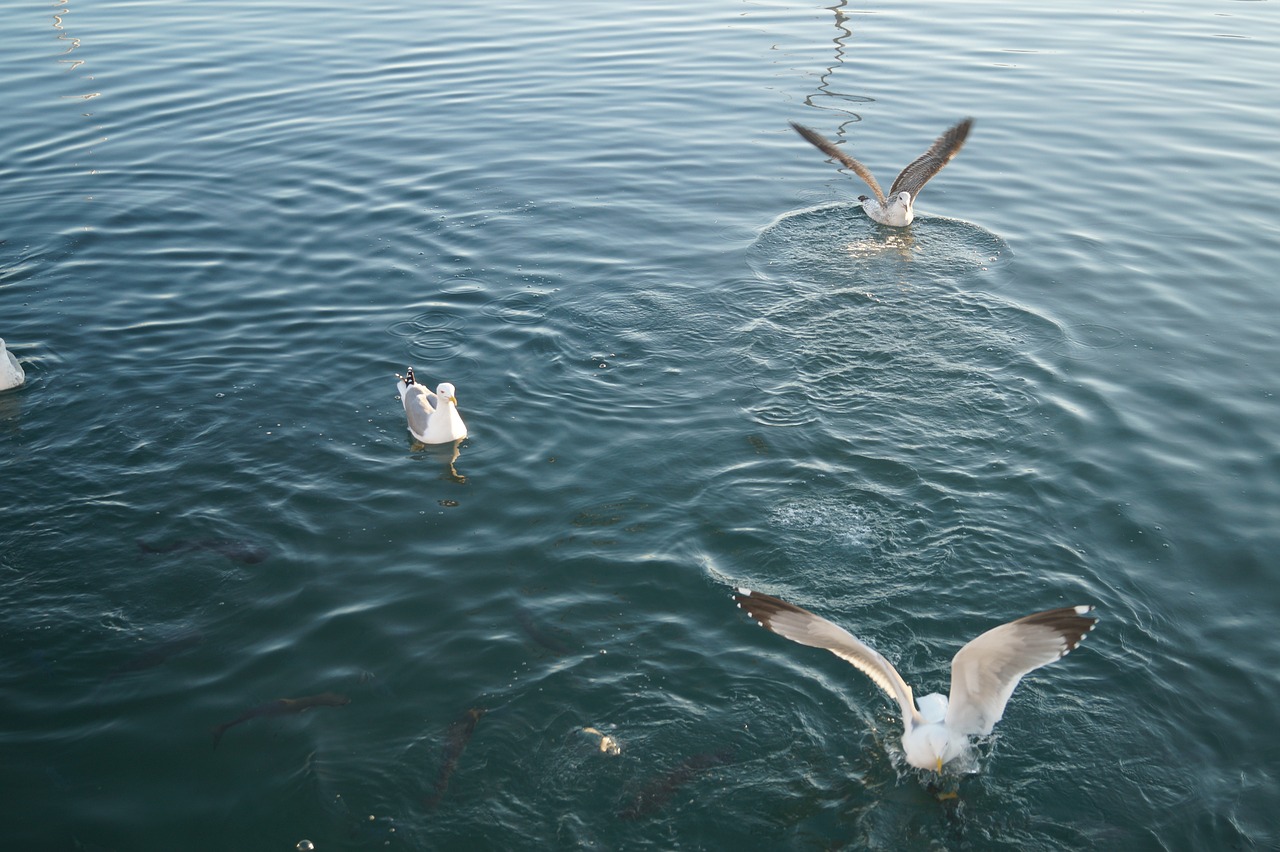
[
  {"x": 800, "y": 625},
  {"x": 985, "y": 671}
]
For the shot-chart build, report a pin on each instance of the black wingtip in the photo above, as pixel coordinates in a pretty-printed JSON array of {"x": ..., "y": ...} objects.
[
  {"x": 743, "y": 598},
  {"x": 1071, "y": 623},
  {"x": 810, "y": 135}
]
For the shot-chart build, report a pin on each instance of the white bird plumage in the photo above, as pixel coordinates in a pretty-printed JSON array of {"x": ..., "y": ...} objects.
[
  {"x": 11, "y": 374},
  {"x": 431, "y": 424},
  {"x": 898, "y": 208},
  {"x": 936, "y": 729}
]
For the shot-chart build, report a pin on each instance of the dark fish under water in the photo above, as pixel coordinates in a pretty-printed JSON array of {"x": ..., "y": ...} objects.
[
  {"x": 241, "y": 550},
  {"x": 281, "y": 707},
  {"x": 460, "y": 733},
  {"x": 659, "y": 791},
  {"x": 157, "y": 653},
  {"x": 541, "y": 635}
]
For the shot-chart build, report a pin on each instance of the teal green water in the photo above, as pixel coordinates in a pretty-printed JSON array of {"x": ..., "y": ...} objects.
[{"x": 687, "y": 361}]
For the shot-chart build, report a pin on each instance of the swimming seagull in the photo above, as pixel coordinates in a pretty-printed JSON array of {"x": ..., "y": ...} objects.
[
  {"x": 899, "y": 208},
  {"x": 983, "y": 673},
  {"x": 11, "y": 374},
  {"x": 440, "y": 424}
]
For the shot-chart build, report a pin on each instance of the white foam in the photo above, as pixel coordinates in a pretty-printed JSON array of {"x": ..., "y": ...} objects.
[{"x": 838, "y": 521}]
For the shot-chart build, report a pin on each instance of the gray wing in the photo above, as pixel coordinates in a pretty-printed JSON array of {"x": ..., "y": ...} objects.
[
  {"x": 913, "y": 178},
  {"x": 820, "y": 142},
  {"x": 416, "y": 407},
  {"x": 984, "y": 672},
  {"x": 800, "y": 625}
]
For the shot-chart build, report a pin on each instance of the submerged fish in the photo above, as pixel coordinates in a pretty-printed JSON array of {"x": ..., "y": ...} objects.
[
  {"x": 541, "y": 635},
  {"x": 659, "y": 791},
  {"x": 241, "y": 550},
  {"x": 157, "y": 653},
  {"x": 460, "y": 733},
  {"x": 281, "y": 707}
]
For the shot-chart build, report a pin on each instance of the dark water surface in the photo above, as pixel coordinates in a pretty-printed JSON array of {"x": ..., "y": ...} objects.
[{"x": 687, "y": 361}]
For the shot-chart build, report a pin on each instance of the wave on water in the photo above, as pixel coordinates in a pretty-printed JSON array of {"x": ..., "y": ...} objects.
[{"x": 889, "y": 333}]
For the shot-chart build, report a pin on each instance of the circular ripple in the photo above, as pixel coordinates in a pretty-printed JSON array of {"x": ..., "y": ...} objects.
[
  {"x": 407, "y": 328},
  {"x": 451, "y": 368},
  {"x": 1088, "y": 340},
  {"x": 519, "y": 308},
  {"x": 432, "y": 335},
  {"x": 435, "y": 347}
]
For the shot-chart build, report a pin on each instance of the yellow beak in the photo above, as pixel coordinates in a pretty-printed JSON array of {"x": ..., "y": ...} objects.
[
  {"x": 454, "y": 400},
  {"x": 939, "y": 770}
]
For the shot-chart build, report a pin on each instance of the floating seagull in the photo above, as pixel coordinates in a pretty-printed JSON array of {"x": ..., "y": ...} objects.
[
  {"x": 11, "y": 374},
  {"x": 983, "y": 673},
  {"x": 431, "y": 425},
  {"x": 899, "y": 208}
]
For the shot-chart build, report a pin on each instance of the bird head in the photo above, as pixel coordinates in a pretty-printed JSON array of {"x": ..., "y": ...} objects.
[
  {"x": 898, "y": 208},
  {"x": 902, "y": 199},
  {"x": 928, "y": 746},
  {"x": 939, "y": 740},
  {"x": 445, "y": 390}
]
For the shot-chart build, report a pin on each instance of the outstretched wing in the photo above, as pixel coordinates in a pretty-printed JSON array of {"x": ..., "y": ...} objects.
[
  {"x": 913, "y": 178},
  {"x": 984, "y": 672},
  {"x": 800, "y": 625},
  {"x": 820, "y": 142}
]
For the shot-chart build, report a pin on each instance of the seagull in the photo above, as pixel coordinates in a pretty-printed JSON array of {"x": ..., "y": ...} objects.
[
  {"x": 431, "y": 425},
  {"x": 11, "y": 374},
  {"x": 899, "y": 208},
  {"x": 936, "y": 729}
]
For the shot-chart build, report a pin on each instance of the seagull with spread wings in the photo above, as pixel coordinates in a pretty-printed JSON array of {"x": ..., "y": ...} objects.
[
  {"x": 898, "y": 208},
  {"x": 936, "y": 729}
]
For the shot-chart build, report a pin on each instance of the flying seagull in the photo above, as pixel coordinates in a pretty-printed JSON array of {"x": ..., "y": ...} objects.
[
  {"x": 438, "y": 424},
  {"x": 899, "y": 208},
  {"x": 983, "y": 673}
]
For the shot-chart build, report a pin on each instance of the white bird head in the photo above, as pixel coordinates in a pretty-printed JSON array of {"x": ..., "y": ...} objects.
[
  {"x": 899, "y": 208},
  {"x": 445, "y": 390},
  {"x": 930, "y": 746}
]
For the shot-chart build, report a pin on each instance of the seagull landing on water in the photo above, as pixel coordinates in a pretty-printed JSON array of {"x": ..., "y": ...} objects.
[
  {"x": 899, "y": 208},
  {"x": 936, "y": 729},
  {"x": 438, "y": 424}
]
